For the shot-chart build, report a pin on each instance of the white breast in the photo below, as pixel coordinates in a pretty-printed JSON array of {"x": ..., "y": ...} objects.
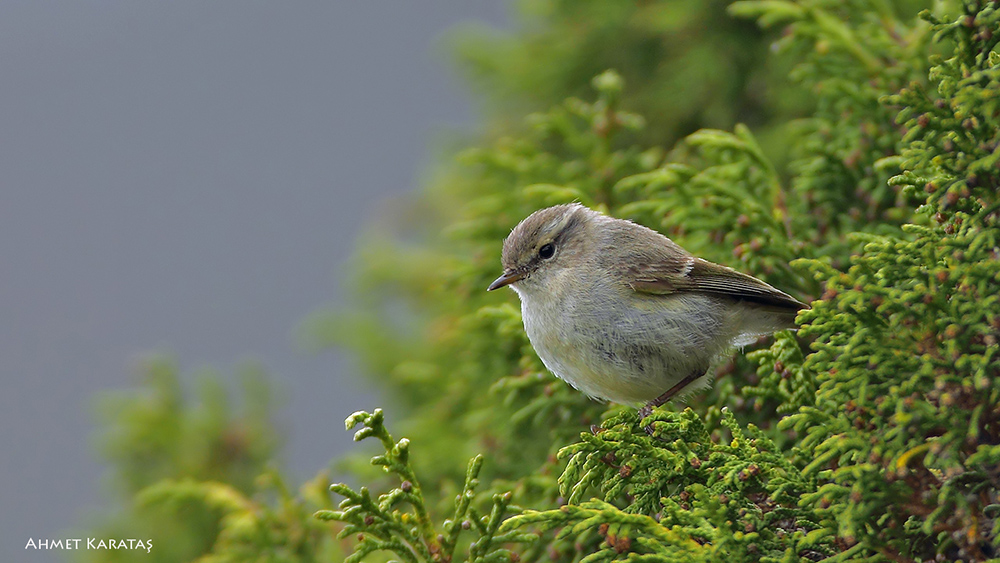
[{"x": 613, "y": 349}]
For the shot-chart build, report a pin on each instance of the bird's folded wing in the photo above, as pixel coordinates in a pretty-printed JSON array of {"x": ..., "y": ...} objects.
[{"x": 663, "y": 277}]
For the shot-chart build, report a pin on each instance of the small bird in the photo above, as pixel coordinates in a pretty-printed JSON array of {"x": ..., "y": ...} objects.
[{"x": 623, "y": 313}]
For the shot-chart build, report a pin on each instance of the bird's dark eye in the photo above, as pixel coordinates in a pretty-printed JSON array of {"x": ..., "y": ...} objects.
[{"x": 547, "y": 250}]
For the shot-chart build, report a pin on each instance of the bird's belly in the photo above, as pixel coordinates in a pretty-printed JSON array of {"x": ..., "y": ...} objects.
[{"x": 620, "y": 358}]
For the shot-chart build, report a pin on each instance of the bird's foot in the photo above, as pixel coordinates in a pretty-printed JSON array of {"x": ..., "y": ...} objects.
[
  {"x": 643, "y": 413},
  {"x": 647, "y": 409}
]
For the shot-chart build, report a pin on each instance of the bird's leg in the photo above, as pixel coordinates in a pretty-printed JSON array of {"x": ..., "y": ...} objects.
[{"x": 647, "y": 409}]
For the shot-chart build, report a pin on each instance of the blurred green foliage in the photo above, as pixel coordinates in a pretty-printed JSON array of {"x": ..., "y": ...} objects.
[
  {"x": 193, "y": 474},
  {"x": 848, "y": 153},
  {"x": 688, "y": 64}
]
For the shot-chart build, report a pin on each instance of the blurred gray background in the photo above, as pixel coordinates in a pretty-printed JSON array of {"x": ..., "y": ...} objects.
[{"x": 190, "y": 177}]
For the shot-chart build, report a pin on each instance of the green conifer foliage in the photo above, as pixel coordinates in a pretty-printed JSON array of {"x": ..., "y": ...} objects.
[
  {"x": 688, "y": 64},
  {"x": 192, "y": 474},
  {"x": 872, "y": 433}
]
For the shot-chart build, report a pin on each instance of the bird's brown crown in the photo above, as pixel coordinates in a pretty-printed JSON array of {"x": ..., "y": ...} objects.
[{"x": 541, "y": 227}]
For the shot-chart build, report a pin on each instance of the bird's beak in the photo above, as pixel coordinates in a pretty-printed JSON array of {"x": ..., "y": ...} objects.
[{"x": 508, "y": 277}]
